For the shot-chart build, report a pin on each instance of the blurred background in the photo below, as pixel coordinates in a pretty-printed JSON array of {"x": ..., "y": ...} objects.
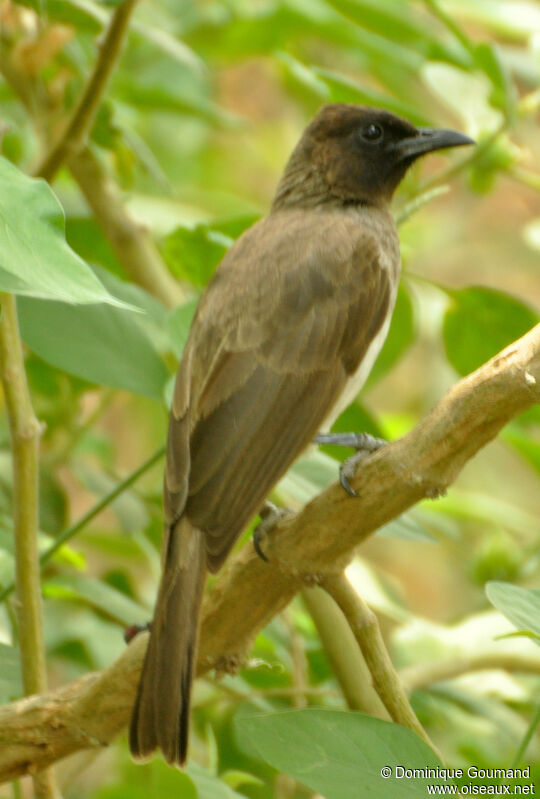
[{"x": 203, "y": 109}]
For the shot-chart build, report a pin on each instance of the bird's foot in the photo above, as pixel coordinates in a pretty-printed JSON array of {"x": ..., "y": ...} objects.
[
  {"x": 363, "y": 443},
  {"x": 133, "y": 630},
  {"x": 270, "y": 515}
]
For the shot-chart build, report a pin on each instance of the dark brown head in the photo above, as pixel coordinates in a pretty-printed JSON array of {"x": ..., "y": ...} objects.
[{"x": 354, "y": 154}]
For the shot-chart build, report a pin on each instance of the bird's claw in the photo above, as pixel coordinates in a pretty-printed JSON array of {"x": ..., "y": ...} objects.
[
  {"x": 270, "y": 515},
  {"x": 363, "y": 443}
]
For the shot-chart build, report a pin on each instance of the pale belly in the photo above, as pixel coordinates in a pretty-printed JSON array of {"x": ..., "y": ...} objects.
[{"x": 357, "y": 380}]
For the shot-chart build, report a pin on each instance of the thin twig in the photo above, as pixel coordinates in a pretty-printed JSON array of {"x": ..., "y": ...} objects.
[
  {"x": 80, "y": 124},
  {"x": 527, "y": 738},
  {"x": 365, "y": 628},
  {"x": 424, "y": 675},
  {"x": 132, "y": 242},
  {"x": 25, "y": 431}
]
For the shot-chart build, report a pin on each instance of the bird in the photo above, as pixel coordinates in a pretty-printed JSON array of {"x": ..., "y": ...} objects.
[{"x": 283, "y": 338}]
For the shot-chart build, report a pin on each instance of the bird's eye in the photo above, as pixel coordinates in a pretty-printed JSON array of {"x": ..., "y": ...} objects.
[{"x": 372, "y": 132}]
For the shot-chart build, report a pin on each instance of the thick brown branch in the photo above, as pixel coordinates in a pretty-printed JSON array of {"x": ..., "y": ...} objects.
[{"x": 322, "y": 538}]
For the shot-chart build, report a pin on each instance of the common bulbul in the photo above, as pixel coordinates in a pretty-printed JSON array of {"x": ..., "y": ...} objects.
[{"x": 283, "y": 338}]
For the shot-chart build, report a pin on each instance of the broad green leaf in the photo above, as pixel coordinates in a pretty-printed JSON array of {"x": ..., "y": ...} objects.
[
  {"x": 334, "y": 752},
  {"x": 480, "y": 322},
  {"x": 399, "y": 23},
  {"x": 146, "y": 96},
  {"x": 401, "y": 335},
  {"x": 98, "y": 594},
  {"x": 520, "y": 605},
  {"x": 154, "y": 779},
  {"x": 86, "y": 237},
  {"x": 35, "y": 259},
  {"x": 489, "y": 59},
  {"x": 209, "y": 786},
  {"x": 98, "y": 343},
  {"x": 193, "y": 253}
]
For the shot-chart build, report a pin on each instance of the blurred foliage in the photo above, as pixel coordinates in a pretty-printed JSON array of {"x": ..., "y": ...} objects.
[{"x": 206, "y": 103}]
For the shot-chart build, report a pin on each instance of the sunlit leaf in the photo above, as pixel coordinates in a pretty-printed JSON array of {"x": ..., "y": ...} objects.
[
  {"x": 98, "y": 594},
  {"x": 333, "y": 752},
  {"x": 479, "y": 323},
  {"x": 35, "y": 259},
  {"x": 520, "y": 605},
  {"x": 99, "y": 343}
]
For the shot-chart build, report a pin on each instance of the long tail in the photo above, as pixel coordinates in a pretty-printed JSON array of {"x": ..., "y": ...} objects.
[{"x": 161, "y": 712}]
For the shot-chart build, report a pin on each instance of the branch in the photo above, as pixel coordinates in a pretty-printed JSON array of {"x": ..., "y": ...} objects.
[
  {"x": 322, "y": 538},
  {"x": 80, "y": 124},
  {"x": 25, "y": 432},
  {"x": 365, "y": 628},
  {"x": 131, "y": 241},
  {"x": 425, "y": 674},
  {"x": 346, "y": 659}
]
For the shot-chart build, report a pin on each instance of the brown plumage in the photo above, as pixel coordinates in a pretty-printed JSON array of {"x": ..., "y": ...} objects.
[{"x": 283, "y": 338}]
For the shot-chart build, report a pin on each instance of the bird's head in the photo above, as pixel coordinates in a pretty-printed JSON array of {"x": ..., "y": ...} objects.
[{"x": 356, "y": 154}]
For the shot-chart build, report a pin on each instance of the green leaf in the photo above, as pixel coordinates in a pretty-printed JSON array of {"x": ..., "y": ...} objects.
[
  {"x": 520, "y": 605},
  {"x": 99, "y": 343},
  {"x": 156, "y": 778},
  {"x": 193, "y": 254},
  {"x": 35, "y": 259},
  {"x": 401, "y": 335},
  {"x": 399, "y": 23},
  {"x": 344, "y": 89},
  {"x": 99, "y": 595},
  {"x": 489, "y": 59},
  {"x": 333, "y": 752},
  {"x": 480, "y": 322},
  {"x": 208, "y": 785}
]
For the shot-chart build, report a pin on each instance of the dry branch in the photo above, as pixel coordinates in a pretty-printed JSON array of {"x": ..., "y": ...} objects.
[{"x": 322, "y": 538}]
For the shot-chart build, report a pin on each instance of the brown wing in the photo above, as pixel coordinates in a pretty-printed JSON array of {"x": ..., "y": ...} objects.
[{"x": 284, "y": 322}]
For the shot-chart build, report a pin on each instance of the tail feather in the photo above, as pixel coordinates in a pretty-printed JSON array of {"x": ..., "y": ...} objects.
[{"x": 161, "y": 713}]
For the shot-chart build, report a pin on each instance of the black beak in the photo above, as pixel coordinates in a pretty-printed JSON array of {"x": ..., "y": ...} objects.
[{"x": 429, "y": 139}]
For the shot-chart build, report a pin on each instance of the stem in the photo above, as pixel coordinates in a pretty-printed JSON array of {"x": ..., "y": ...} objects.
[
  {"x": 366, "y": 630},
  {"x": 535, "y": 721},
  {"x": 298, "y": 658},
  {"x": 80, "y": 124},
  {"x": 341, "y": 649},
  {"x": 94, "y": 511},
  {"x": 423, "y": 675},
  {"x": 131, "y": 241},
  {"x": 24, "y": 431}
]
